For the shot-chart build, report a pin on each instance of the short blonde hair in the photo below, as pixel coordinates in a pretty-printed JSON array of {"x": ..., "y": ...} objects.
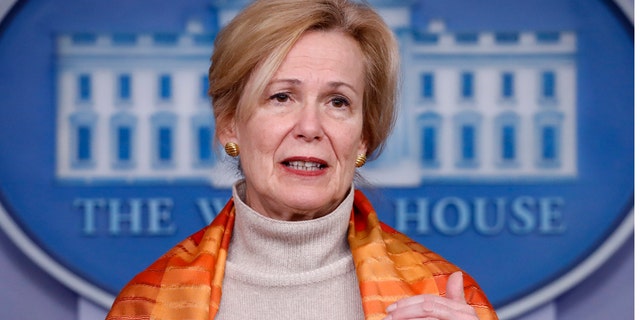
[{"x": 254, "y": 44}]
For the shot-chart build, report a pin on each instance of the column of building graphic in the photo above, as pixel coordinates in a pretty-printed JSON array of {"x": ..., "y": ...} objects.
[{"x": 134, "y": 106}]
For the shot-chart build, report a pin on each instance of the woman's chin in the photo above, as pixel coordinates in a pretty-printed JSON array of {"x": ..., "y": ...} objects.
[{"x": 311, "y": 206}]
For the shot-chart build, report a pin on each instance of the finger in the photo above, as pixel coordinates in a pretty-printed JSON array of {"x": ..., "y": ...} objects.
[
  {"x": 425, "y": 306},
  {"x": 427, "y": 299},
  {"x": 405, "y": 302},
  {"x": 455, "y": 287},
  {"x": 433, "y": 307}
]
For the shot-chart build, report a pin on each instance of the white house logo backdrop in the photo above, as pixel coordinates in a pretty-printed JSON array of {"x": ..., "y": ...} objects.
[{"x": 512, "y": 155}]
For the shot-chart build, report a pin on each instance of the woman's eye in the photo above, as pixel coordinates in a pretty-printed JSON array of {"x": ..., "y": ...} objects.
[
  {"x": 339, "y": 102},
  {"x": 280, "y": 97}
]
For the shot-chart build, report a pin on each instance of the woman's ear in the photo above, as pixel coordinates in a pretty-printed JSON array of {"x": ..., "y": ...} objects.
[
  {"x": 226, "y": 131},
  {"x": 362, "y": 149}
]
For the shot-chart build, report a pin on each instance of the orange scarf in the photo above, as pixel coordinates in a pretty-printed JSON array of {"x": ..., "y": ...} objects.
[{"x": 186, "y": 282}]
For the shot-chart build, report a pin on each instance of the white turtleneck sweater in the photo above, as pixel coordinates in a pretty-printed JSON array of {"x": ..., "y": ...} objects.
[{"x": 289, "y": 270}]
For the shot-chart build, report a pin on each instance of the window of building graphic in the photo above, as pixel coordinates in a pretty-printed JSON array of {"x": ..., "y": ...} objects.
[
  {"x": 165, "y": 39},
  {"x": 84, "y": 152},
  {"x": 84, "y": 39},
  {"x": 123, "y": 133},
  {"x": 165, "y": 87},
  {"x": 466, "y": 38},
  {"x": 165, "y": 144},
  {"x": 427, "y": 38},
  {"x": 548, "y": 128},
  {"x": 428, "y": 86},
  {"x": 124, "y": 39},
  {"x": 466, "y": 85},
  {"x": 548, "y": 86},
  {"x": 204, "y": 39},
  {"x": 507, "y": 88},
  {"x": 84, "y": 88},
  {"x": 547, "y": 37},
  {"x": 163, "y": 139},
  {"x": 468, "y": 142},
  {"x": 429, "y": 144},
  {"x": 123, "y": 88},
  {"x": 505, "y": 38},
  {"x": 202, "y": 136},
  {"x": 124, "y": 137},
  {"x": 82, "y": 129},
  {"x": 205, "y": 142},
  {"x": 549, "y": 138},
  {"x": 430, "y": 125},
  {"x": 506, "y": 142},
  {"x": 467, "y": 126},
  {"x": 204, "y": 87}
]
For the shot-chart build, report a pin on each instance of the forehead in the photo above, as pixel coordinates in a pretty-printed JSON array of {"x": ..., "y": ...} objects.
[{"x": 330, "y": 54}]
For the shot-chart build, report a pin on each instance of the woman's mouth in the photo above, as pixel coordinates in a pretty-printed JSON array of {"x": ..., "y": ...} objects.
[
  {"x": 304, "y": 165},
  {"x": 307, "y": 165}
]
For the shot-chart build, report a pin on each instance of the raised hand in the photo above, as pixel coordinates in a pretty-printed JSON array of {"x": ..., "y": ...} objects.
[{"x": 452, "y": 306}]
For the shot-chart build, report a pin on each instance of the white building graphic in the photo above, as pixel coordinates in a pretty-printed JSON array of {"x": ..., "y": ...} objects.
[
  {"x": 134, "y": 106},
  {"x": 477, "y": 105}
]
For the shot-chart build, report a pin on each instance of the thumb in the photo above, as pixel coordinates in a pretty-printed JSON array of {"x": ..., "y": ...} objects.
[{"x": 455, "y": 287}]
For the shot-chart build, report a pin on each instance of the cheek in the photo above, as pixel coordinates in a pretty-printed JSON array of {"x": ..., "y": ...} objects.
[
  {"x": 356, "y": 134},
  {"x": 260, "y": 139},
  {"x": 350, "y": 143}
]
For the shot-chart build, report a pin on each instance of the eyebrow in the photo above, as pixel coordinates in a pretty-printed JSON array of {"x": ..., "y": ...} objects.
[
  {"x": 296, "y": 82},
  {"x": 337, "y": 84}
]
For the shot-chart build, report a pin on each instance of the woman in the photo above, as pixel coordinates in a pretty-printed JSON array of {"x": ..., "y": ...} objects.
[{"x": 303, "y": 92}]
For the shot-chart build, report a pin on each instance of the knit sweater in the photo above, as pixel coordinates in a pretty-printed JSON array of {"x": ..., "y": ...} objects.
[{"x": 290, "y": 270}]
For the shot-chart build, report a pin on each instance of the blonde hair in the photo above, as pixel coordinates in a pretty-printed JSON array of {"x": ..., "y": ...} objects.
[{"x": 254, "y": 44}]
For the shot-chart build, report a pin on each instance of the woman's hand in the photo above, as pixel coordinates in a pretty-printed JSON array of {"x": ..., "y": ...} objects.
[{"x": 452, "y": 306}]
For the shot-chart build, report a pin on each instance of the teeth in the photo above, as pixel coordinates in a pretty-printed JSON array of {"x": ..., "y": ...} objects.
[{"x": 305, "y": 165}]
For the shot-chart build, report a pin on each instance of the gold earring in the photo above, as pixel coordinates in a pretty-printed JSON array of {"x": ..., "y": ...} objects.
[
  {"x": 361, "y": 160},
  {"x": 232, "y": 149}
]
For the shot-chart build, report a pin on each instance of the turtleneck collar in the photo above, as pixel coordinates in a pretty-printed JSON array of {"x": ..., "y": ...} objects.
[{"x": 288, "y": 247}]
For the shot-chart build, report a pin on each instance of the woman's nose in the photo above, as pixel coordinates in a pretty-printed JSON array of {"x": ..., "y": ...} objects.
[{"x": 308, "y": 123}]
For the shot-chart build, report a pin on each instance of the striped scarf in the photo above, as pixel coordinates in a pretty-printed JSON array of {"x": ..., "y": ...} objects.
[{"x": 186, "y": 282}]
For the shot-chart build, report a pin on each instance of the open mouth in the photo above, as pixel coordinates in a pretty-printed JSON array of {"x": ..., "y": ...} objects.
[{"x": 305, "y": 165}]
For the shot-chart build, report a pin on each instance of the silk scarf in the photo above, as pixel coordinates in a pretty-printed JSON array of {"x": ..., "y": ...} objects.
[{"x": 186, "y": 282}]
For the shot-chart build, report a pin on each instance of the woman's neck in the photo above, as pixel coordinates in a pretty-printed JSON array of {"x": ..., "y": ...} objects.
[{"x": 288, "y": 246}]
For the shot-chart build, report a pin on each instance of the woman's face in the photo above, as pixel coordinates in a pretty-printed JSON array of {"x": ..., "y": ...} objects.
[{"x": 299, "y": 144}]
